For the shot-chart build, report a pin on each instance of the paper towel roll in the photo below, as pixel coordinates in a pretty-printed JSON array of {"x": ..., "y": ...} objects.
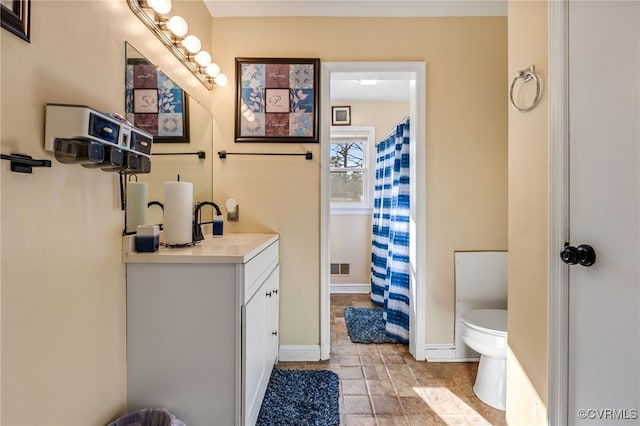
[
  {"x": 178, "y": 203},
  {"x": 136, "y": 211}
]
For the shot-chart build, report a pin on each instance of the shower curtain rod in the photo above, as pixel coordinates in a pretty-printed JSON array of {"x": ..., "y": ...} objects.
[{"x": 404, "y": 120}]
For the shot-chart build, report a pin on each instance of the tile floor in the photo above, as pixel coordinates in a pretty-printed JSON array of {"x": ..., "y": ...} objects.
[{"x": 384, "y": 385}]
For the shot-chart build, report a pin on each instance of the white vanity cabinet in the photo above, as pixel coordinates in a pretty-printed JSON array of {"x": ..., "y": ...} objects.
[{"x": 202, "y": 328}]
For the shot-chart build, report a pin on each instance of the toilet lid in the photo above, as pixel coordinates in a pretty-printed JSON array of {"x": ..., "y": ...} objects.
[{"x": 489, "y": 320}]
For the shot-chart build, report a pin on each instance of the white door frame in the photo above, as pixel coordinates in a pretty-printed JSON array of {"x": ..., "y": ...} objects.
[
  {"x": 418, "y": 198},
  {"x": 558, "y": 321}
]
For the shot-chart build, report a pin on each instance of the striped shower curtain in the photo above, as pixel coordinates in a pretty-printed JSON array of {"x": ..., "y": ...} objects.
[{"x": 390, "y": 252}]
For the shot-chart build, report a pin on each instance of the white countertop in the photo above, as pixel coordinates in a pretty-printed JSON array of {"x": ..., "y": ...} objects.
[{"x": 228, "y": 248}]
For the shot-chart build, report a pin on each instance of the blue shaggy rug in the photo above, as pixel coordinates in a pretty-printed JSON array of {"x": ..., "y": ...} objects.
[
  {"x": 365, "y": 325},
  {"x": 301, "y": 398}
]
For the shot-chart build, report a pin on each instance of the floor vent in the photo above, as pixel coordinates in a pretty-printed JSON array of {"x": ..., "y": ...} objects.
[{"x": 341, "y": 269}]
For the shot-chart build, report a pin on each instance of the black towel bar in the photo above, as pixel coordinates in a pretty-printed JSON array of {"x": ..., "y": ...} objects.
[
  {"x": 200, "y": 154},
  {"x": 307, "y": 155}
]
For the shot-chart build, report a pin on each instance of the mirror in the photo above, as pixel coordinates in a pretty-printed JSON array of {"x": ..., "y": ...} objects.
[{"x": 171, "y": 157}]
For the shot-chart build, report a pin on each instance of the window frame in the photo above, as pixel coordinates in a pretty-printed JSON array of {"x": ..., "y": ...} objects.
[{"x": 366, "y": 133}]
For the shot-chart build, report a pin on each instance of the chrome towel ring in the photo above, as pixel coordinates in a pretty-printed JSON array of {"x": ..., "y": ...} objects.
[{"x": 527, "y": 75}]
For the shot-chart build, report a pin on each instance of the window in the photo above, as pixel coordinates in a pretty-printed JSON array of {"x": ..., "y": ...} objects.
[
  {"x": 347, "y": 171},
  {"x": 352, "y": 169}
]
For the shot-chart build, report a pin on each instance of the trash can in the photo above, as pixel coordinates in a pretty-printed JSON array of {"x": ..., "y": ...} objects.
[{"x": 148, "y": 417}]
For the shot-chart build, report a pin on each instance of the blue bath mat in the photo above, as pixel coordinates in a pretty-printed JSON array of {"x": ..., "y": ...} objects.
[
  {"x": 301, "y": 398},
  {"x": 365, "y": 325}
]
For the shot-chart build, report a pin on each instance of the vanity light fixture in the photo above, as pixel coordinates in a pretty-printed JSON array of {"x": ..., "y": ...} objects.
[
  {"x": 213, "y": 70},
  {"x": 221, "y": 80},
  {"x": 203, "y": 58},
  {"x": 172, "y": 32},
  {"x": 161, "y": 7},
  {"x": 192, "y": 44},
  {"x": 178, "y": 26}
]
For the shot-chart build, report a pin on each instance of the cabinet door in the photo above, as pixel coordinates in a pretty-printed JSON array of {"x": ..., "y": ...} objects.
[
  {"x": 273, "y": 317},
  {"x": 260, "y": 344},
  {"x": 254, "y": 329}
]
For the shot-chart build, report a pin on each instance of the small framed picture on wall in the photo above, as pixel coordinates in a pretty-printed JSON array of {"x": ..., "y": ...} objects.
[{"x": 341, "y": 116}]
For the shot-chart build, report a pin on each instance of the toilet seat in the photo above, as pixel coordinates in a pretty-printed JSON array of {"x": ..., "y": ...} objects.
[{"x": 491, "y": 321}]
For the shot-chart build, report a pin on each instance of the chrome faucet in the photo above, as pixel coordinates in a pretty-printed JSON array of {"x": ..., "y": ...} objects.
[{"x": 197, "y": 229}]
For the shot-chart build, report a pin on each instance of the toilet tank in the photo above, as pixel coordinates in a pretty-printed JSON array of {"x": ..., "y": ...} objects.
[{"x": 480, "y": 282}]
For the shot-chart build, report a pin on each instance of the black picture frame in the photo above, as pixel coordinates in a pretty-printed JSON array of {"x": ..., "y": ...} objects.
[
  {"x": 17, "y": 19},
  {"x": 262, "y": 114},
  {"x": 341, "y": 116}
]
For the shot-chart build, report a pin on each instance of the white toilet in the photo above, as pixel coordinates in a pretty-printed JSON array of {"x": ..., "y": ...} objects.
[{"x": 485, "y": 331}]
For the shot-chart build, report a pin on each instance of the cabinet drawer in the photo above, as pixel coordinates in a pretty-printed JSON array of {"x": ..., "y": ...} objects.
[{"x": 257, "y": 269}]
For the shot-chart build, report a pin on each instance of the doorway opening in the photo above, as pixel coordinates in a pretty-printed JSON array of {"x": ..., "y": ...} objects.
[{"x": 413, "y": 74}]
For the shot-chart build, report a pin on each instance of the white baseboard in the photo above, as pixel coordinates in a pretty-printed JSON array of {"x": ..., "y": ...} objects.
[
  {"x": 440, "y": 353},
  {"x": 350, "y": 288},
  {"x": 433, "y": 353},
  {"x": 299, "y": 353}
]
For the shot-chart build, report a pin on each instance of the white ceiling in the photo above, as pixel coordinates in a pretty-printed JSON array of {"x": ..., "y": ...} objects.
[
  {"x": 390, "y": 86},
  {"x": 362, "y": 8}
]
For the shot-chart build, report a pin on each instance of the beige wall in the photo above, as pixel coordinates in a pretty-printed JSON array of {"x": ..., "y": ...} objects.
[
  {"x": 527, "y": 374},
  {"x": 384, "y": 116},
  {"x": 350, "y": 239},
  {"x": 351, "y": 243},
  {"x": 63, "y": 280},
  {"x": 466, "y": 124}
]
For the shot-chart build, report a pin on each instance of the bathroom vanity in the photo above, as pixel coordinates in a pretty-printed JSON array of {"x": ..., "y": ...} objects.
[{"x": 202, "y": 327}]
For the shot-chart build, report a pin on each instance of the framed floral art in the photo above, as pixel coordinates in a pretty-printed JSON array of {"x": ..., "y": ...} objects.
[
  {"x": 155, "y": 103},
  {"x": 277, "y": 100}
]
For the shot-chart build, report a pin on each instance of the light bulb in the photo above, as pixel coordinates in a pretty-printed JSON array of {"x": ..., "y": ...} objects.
[
  {"x": 213, "y": 70},
  {"x": 161, "y": 7},
  {"x": 203, "y": 58},
  {"x": 221, "y": 80},
  {"x": 178, "y": 26},
  {"x": 192, "y": 44}
]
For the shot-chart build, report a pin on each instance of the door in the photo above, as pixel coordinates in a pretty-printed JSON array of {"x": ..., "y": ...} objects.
[{"x": 604, "y": 187}]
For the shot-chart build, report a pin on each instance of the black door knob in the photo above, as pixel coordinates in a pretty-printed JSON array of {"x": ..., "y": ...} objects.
[
  {"x": 584, "y": 254},
  {"x": 569, "y": 255}
]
